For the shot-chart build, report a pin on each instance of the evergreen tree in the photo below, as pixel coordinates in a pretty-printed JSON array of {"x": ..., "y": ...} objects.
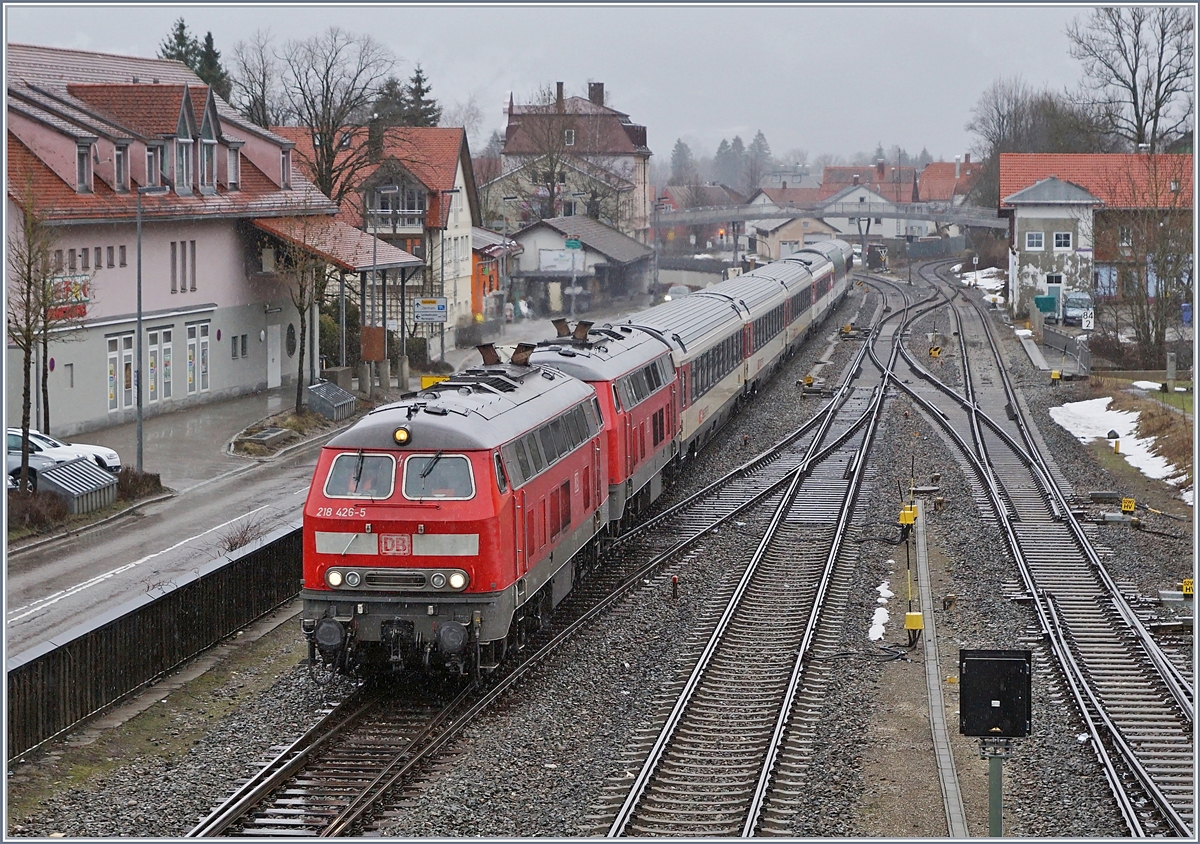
[
  {"x": 419, "y": 108},
  {"x": 181, "y": 46},
  {"x": 723, "y": 167},
  {"x": 683, "y": 166},
  {"x": 391, "y": 103},
  {"x": 208, "y": 67},
  {"x": 879, "y": 153},
  {"x": 737, "y": 160},
  {"x": 758, "y": 161},
  {"x": 924, "y": 158}
]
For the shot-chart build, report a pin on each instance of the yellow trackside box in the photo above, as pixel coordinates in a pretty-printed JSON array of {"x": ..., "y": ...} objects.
[
  {"x": 1128, "y": 505},
  {"x": 428, "y": 381},
  {"x": 914, "y": 621},
  {"x": 908, "y": 514},
  {"x": 1187, "y": 586}
]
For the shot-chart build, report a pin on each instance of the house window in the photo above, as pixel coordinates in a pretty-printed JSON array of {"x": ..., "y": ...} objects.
[
  {"x": 1062, "y": 240},
  {"x": 1174, "y": 186},
  {"x": 1033, "y": 241},
  {"x": 58, "y": 259},
  {"x": 85, "y": 254},
  {"x": 192, "y": 249},
  {"x": 569, "y": 137},
  {"x": 244, "y": 336},
  {"x": 152, "y": 371},
  {"x": 83, "y": 169},
  {"x": 285, "y": 167},
  {"x": 109, "y": 252},
  {"x": 568, "y": 208},
  {"x": 97, "y": 257},
  {"x": 234, "y": 347},
  {"x": 1125, "y": 237},
  {"x": 121, "y": 252},
  {"x": 208, "y": 165},
  {"x": 119, "y": 165},
  {"x": 197, "y": 358},
  {"x": 183, "y": 166},
  {"x": 235, "y": 168},
  {"x": 71, "y": 260},
  {"x": 174, "y": 266},
  {"x": 152, "y": 165}
]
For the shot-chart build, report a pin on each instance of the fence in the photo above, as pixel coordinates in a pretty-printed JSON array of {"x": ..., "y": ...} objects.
[
  {"x": 1070, "y": 345},
  {"x": 923, "y": 249},
  {"x": 55, "y": 685}
]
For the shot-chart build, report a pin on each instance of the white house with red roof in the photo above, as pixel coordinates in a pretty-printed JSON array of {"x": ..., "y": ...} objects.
[
  {"x": 1100, "y": 223},
  {"x": 88, "y": 133},
  {"x": 415, "y": 190}
]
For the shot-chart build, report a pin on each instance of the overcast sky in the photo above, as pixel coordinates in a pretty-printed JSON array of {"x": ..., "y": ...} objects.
[{"x": 824, "y": 79}]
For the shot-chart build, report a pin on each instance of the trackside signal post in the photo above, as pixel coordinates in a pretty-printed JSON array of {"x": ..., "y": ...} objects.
[{"x": 995, "y": 703}]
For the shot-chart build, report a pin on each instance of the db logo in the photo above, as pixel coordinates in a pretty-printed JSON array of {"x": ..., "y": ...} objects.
[{"x": 397, "y": 544}]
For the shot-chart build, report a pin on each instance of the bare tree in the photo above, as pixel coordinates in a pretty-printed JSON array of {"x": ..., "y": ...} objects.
[
  {"x": 258, "y": 94},
  {"x": 1010, "y": 116},
  {"x": 327, "y": 79},
  {"x": 1144, "y": 235},
  {"x": 301, "y": 270},
  {"x": 468, "y": 115},
  {"x": 30, "y": 278},
  {"x": 1139, "y": 65}
]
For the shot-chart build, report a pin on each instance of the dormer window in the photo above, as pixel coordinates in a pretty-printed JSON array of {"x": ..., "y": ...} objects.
[
  {"x": 121, "y": 169},
  {"x": 569, "y": 137},
  {"x": 152, "y": 165},
  {"x": 1174, "y": 186},
  {"x": 285, "y": 166},
  {"x": 183, "y": 166},
  {"x": 208, "y": 166},
  {"x": 83, "y": 168},
  {"x": 235, "y": 168}
]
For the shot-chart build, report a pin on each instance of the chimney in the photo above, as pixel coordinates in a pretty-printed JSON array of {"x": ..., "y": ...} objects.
[
  {"x": 879, "y": 169},
  {"x": 596, "y": 93},
  {"x": 785, "y": 185},
  {"x": 558, "y": 100},
  {"x": 957, "y": 165},
  {"x": 374, "y": 140},
  {"x": 967, "y": 158},
  {"x": 856, "y": 180}
]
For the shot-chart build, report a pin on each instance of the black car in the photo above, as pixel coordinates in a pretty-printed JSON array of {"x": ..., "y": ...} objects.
[{"x": 37, "y": 463}]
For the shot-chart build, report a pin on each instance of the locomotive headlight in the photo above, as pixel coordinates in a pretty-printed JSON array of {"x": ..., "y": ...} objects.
[
  {"x": 438, "y": 580},
  {"x": 457, "y": 580},
  {"x": 353, "y": 578},
  {"x": 334, "y": 578},
  {"x": 402, "y": 435}
]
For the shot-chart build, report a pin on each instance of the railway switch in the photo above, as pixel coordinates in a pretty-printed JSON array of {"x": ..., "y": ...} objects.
[{"x": 908, "y": 514}]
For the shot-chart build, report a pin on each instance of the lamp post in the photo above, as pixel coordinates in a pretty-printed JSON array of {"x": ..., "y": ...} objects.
[
  {"x": 379, "y": 193},
  {"x": 149, "y": 190}
]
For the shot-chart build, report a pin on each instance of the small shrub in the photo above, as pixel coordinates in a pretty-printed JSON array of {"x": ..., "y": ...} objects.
[
  {"x": 132, "y": 484},
  {"x": 251, "y": 449},
  {"x": 303, "y": 423},
  {"x": 36, "y": 511},
  {"x": 242, "y": 534}
]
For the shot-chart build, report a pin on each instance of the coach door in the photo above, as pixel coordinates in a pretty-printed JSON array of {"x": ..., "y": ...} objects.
[{"x": 522, "y": 523}]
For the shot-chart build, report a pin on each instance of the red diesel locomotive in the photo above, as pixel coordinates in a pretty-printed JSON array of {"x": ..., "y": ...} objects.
[{"x": 442, "y": 528}]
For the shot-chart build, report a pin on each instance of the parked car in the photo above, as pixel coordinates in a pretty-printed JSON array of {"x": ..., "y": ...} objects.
[
  {"x": 37, "y": 463},
  {"x": 676, "y": 291},
  {"x": 52, "y": 447},
  {"x": 1075, "y": 305}
]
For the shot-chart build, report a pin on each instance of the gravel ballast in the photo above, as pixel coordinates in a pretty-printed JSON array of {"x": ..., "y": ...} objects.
[{"x": 543, "y": 760}]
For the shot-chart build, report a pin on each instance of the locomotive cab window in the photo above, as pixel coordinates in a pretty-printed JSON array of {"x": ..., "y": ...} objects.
[
  {"x": 438, "y": 476},
  {"x": 501, "y": 481},
  {"x": 361, "y": 476}
]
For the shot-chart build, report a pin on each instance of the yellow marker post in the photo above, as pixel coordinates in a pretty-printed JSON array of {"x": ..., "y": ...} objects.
[
  {"x": 1187, "y": 586},
  {"x": 1128, "y": 505}
]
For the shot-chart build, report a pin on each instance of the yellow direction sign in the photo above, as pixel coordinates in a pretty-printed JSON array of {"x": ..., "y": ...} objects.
[
  {"x": 1128, "y": 505},
  {"x": 1187, "y": 586}
]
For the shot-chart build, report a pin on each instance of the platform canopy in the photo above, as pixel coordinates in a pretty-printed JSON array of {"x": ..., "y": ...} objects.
[{"x": 342, "y": 245}]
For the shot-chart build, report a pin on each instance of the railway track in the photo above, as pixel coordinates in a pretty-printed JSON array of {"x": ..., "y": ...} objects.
[
  {"x": 337, "y": 778},
  {"x": 1135, "y": 701},
  {"x": 731, "y": 751}
]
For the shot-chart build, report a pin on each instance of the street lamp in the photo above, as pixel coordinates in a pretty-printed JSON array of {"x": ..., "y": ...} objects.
[
  {"x": 379, "y": 193},
  {"x": 148, "y": 190}
]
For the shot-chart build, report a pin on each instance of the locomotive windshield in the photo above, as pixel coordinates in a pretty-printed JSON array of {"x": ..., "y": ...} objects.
[
  {"x": 361, "y": 476},
  {"x": 438, "y": 476}
]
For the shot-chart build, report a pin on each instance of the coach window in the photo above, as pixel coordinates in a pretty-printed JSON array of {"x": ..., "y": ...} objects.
[
  {"x": 361, "y": 476},
  {"x": 501, "y": 481},
  {"x": 522, "y": 459},
  {"x": 438, "y": 476},
  {"x": 534, "y": 453}
]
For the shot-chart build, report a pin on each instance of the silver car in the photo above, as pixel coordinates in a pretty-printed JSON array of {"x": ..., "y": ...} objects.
[
  {"x": 54, "y": 448},
  {"x": 37, "y": 463}
]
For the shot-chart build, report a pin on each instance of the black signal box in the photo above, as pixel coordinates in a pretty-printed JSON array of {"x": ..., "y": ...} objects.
[{"x": 995, "y": 696}]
